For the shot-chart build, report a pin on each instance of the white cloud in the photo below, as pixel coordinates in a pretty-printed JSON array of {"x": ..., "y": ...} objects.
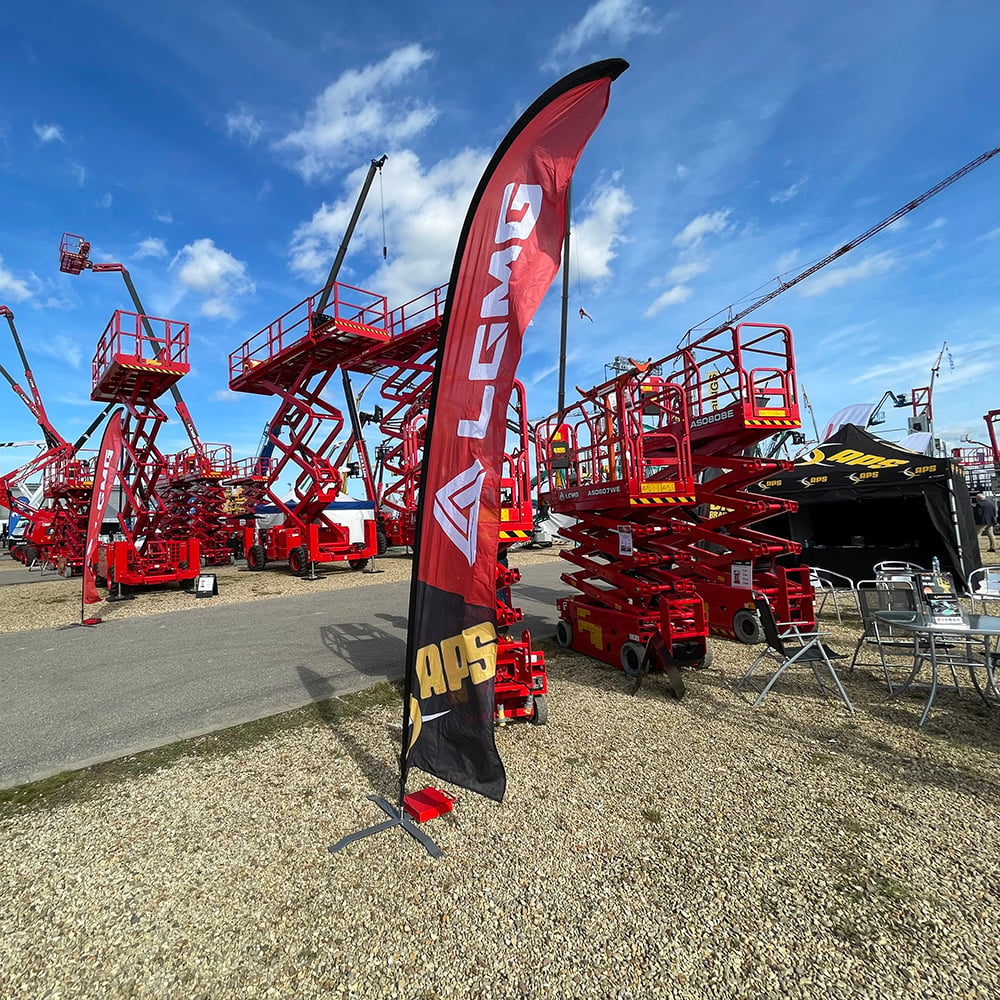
[
  {"x": 361, "y": 109},
  {"x": 607, "y": 20},
  {"x": 59, "y": 346},
  {"x": 166, "y": 217},
  {"x": 152, "y": 246},
  {"x": 243, "y": 125},
  {"x": 226, "y": 396},
  {"x": 49, "y": 133},
  {"x": 991, "y": 235},
  {"x": 79, "y": 172},
  {"x": 104, "y": 201},
  {"x": 780, "y": 197},
  {"x": 703, "y": 225},
  {"x": 671, "y": 297},
  {"x": 685, "y": 272},
  {"x": 937, "y": 223},
  {"x": 598, "y": 231},
  {"x": 215, "y": 275},
  {"x": 837, "y": 277},
  {"x": 11, "y": 287},
  {"x": 424, "y": 211}
]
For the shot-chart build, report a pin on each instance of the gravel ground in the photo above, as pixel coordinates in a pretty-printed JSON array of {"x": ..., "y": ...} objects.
[{"x": 646, "y": 848}]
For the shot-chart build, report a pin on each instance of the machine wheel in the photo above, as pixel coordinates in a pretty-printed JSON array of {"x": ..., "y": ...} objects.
[
  {"x": 357, "y": 563},
  {"x": 705, "y": 662},
  {"x": 30, "y": 554},
  {"x": 631, "y": 658},
  {"x": 298, "y": 560},
  {"x": 382, "y": 541},
  {"x": 564, "y": 633},
  {"x": 746, "y": 625},
  {"x": 540, "y": 710},
  {"x": 256, "y": 559}
]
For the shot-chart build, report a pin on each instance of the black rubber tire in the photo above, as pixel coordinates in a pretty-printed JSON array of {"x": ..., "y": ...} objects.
[
  {"x": 298, "y": 561},
  {"x": 256, "y": 558},
  {"x": 357, "y": 563},
  {"x": 30, "y": 554},
  {"x": 706, "y": 661},
  {"x": 746, "y": 626},
  {"x": 382, "y": 542},
  {"x": 564, "y": 633},
  {"x": 631, "y": 658},
  {"x": 540, "y": 710}
]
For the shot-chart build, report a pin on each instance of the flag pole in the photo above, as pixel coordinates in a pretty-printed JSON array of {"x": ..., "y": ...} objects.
[{"x": 565, "y": 304}]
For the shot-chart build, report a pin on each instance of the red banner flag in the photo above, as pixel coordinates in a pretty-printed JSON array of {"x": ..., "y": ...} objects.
[
  {"x": 507, "y": 256},
  {"x": 105, "y": 472}
]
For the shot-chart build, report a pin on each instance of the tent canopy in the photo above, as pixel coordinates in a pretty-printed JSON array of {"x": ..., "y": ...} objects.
[{"x": 863, "y": 500}]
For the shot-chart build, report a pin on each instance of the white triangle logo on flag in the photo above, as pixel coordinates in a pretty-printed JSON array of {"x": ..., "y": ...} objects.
[{"x": 456, "y": 509}]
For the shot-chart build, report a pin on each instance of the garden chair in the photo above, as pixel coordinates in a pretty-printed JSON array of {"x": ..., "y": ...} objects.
[{"x": 787, "y": 645}]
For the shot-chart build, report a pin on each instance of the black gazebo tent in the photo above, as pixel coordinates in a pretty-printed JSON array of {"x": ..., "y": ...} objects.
[{"x": 863, "y": 500}]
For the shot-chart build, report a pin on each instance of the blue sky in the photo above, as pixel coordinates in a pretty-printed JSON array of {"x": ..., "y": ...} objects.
[{"x": 217, "y": 149}]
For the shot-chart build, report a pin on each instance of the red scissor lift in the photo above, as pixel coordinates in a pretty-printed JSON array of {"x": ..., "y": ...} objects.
[
  {"x": 295, "y": 358},
  {"x": 194, "y": 498},
  {"x": 246, "y": 489},
  {"x": 406, "y": 365},
  {"x": 68, "y": 485},
  {"x": 138, "y": 359},
  {"x": 53, "y": 533},
  {"x": 618, "y": 462},
  {"x": 739, "y": 387}
]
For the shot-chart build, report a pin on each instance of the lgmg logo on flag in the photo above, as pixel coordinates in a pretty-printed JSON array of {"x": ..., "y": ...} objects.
[
  {"x": 456, "y": 509},
  {"x": 456, "y": 504}
]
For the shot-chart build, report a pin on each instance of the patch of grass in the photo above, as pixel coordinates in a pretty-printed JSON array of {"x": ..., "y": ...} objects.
[
  {"x": 651, "y": 815},
  {"x": 892, "y": 888},
  {"x": 87, "y": 783}
]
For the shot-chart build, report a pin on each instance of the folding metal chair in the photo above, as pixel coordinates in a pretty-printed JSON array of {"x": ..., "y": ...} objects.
[
  {"x": 984, "y": 585},
  {"x": 828, "y": 584},
  {"x": 897, "y": 570},
  {"x": 788, "y": 645},
  {"x": 885, "y": 594}
]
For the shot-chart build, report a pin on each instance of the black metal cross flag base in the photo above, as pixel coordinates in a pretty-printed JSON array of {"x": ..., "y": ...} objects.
[{"x": 396, "y": 818}]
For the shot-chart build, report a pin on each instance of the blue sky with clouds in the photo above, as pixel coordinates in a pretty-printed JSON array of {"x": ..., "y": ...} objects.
[{"x": 217, "y": 149}]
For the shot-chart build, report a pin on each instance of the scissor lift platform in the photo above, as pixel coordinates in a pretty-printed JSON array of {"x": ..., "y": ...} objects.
[
  {"x": 139, "y": 357},
  {"x": 350, "y": 321}
]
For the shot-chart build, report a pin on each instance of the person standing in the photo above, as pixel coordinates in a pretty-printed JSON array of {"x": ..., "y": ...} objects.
[{"x": 984, "y": 510}]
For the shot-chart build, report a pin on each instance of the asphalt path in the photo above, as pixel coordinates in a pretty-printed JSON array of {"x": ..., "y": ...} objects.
[{"x": 76, "y": 696}]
